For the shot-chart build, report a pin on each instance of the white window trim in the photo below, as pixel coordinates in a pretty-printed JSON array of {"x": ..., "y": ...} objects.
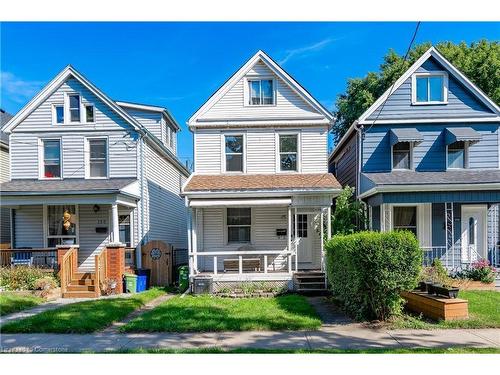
[
  {"x": 67, "y": 114},
  {"x": 246, "y": 90},
  {"x": 86, "y": 152},
  {"x": 466, "y": 158},
  {"x": 252, "y": 228},
  {"x": 411, "y": 159},
  {"x": 223, "y": 152},
  {"x": 41, "y": 157},
  {"x": 85, "y": 105},
  {"x": 437, "y": 73},
  {"x": 54, "y": 114},
  {"x": 46, "y": 223},
  {"x": 299, "y": 151},
  {"x": 131, "y": 216}
]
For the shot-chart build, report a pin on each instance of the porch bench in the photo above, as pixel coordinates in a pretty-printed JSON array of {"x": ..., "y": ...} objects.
[{"x": 248, "y": 265}]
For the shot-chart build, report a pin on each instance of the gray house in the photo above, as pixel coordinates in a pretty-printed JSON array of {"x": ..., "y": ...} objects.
[
  {"x": 4, "y": 176},
  {"x": 87, "y": 170},
  {"x": 426, "y": 157}
]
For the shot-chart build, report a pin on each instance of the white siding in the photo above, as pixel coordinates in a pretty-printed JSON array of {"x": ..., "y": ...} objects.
[
  {"x": 289, "y": 105},
  {"x": 4, "y": 164},
  {"x": 29, "y": 226},
  {"x": 4, "y": 212},
  {"x": 261, "y": 149},
  {"x": 150, "y": 120},
  {"x": 91, "y": 243}
]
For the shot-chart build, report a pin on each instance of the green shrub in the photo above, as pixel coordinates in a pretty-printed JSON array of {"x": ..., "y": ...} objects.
[
  {"x": 23, "y": 278},
  {"x": 367, "y": 271},
  {"x": 436, "y": 273}
]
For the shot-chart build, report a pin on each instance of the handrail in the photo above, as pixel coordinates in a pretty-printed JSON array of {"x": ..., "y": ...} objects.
[
  {"x": 100, "y": 270},
  {"x": 68, "y": 267}
]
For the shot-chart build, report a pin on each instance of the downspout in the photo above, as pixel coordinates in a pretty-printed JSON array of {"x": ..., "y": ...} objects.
[
  {"x": 361, "y": 135},
  {"x": 141, "y": 236}
]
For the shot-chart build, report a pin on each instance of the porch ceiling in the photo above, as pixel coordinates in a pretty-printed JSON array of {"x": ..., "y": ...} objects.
[{"x": 239, "y": 202}]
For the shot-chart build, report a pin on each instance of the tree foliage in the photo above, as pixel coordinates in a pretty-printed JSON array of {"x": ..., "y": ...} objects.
[
  {"x": 349, "y": 215},
  {"x": 479, "y": 61}
]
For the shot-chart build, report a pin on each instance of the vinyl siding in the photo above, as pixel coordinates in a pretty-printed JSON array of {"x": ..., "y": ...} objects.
[
  {"x": 91, "y": 243},
  {"x": 461, "y": 102},
  {"x": 29, "y": 227},
  {"x": 150, "y": 120},
  {"x": 165, "y": 212},
  {"x": 231, "y": 106},
  {"x": 261, "y": 149},
  {"x": 430, "y": 155},
  {"x": 4, "y": 164},
  {"x": 345, "y": 168},
  {"x": 4, "y": 212}
]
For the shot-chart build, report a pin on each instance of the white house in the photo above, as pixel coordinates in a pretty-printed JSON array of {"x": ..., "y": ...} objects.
[{"x": 260, "y": 195}]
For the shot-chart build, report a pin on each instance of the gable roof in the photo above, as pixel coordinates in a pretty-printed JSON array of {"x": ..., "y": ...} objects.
[
  {"x": 4, "y": 118},
  {"x": 459, "y": 76},
  {"x": 53, "y": 85},
  {"x": 260, "y": 56}
]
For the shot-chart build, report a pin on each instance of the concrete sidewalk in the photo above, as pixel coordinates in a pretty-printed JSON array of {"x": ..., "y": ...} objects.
[{"x": 351, "y": 336}]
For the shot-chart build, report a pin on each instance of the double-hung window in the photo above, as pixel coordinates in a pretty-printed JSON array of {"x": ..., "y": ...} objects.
[
  {"x": 89, "y": 113},
  {"x": 261, "y": 92},
  {"x": 74, "y": 107},
  {"x": 429, "y": 88},
  {"x": 457, "y": 155},
  {"x": 402, "y": 155},
  {"x": 61, "y": 225},
  {"x": 234, "y": 153},
  {"x": 405, "y": 218},
  {"x": 51, "y": 159},
  {"x": 98, "y": 158},
  {"x": 124, "y": 229},
  {"x": 288, "y": 152},
  {"x": 239, "y": 223}
]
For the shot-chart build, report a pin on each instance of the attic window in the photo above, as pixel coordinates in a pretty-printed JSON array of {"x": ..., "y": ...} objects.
[
  {"x": 261, "y": 92},
  {"x": 74, "y": 108},
  {"x": 430, "y": 88}
]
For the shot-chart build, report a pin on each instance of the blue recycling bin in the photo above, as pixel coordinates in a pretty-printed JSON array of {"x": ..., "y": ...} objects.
[
  {"x": 145, "y": 272},
  {"x": 141, "y": 283}
]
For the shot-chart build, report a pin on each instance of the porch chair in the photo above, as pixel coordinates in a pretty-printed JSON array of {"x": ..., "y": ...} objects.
[{"x": 21, "y": 258}]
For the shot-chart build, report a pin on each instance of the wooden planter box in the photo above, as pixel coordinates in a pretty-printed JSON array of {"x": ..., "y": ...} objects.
[
  {"x": 434, "y": 307},
  {"x": 473, "y": 285}
]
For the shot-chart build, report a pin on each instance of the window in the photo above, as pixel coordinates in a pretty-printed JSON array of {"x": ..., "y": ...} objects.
[
  {"x": 405, "y": 218},
  {"x": 429, "y": 88},
  {"x": 301, "y": 225},
  {"x": 89, "y": 113},
  {"x": 457, "y": 155},
  {"x": 172, "y": 135},
  {"x": 288, "y": 145},
  {"x": 61, "y": 225},
  {"x": 98, "y": 163},
  {"x": 261, "y": 92},
  {"x": 74, "y": 108},
  {"x": 51, "y": 158},
  {"x": 167, "y": 135},
  {"x": 234, "y": 153},
  {"x": 124, "y": 229},
  {"x": 239, "y": 222},
  {"x": 472, "y": 231},
  {"x": 59, "y": 114},
  {"x": 401, "y": 155}
]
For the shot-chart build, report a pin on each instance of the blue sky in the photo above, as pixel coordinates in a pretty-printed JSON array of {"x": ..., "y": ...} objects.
[{"x": 179, "y": 65}]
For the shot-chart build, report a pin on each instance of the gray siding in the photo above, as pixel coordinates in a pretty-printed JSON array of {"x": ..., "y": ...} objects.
[
  {"x": 4, "y": 212},
  {"x": 461, "y": 102},
  {"x": 91, "y": 243},
  {"x": 430, "y": 155},
  {"x": 345, "y": 167},
  {"x": 29, "y": 226}
]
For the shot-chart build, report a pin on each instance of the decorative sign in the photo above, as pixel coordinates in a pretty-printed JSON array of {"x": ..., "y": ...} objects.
[{"x": 155, "y": 253}]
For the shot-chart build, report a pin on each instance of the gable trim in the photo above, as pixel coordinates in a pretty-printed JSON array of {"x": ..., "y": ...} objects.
[
  {"x": 277, "y": 70},
  {"x": 432, "y": 52}
]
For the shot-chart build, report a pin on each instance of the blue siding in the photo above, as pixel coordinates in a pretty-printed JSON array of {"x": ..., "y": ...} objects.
[
  {"x": 376, "y": 218},
  {"x": 461, "y": 102},
  {"x": 438, "y": 225},
  {"x": 492, "y": 196},
  {"x": 430, "y": 155}
]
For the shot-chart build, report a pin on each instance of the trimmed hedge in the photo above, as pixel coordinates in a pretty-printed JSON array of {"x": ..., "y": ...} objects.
[{"x": 368, "y": 270}]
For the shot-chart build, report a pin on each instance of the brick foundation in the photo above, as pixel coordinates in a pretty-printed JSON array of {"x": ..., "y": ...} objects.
[
  {"x": 61, "y": 251},
  {"x": 115, "y": 263}
]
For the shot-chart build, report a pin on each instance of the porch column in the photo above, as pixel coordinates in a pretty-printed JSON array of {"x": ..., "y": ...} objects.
[
  {"x": 115, "y": 233},
  {"x": 322, "y": 242},
  {"x": 329, "y": 222},
  {"x": 190, "y": 248},
  {"x": 290, "y": 232},
  {"x": 194, "y": 240}
]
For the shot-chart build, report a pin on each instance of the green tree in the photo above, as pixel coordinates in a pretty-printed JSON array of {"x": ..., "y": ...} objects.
[
  {"x": 479, "y": 61},
  {"x": 349, "y": 215}
]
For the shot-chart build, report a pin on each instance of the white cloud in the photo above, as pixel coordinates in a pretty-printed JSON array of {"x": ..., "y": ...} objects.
[
  {"x": 17, "y": 89},
  {"x": 306, "y": 50}
]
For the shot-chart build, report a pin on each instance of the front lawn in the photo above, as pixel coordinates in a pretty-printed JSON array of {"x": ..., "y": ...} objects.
[
  {"x": 14, "y": 302},
  {"x": 484, "y": 312},
  {"x": 209, "y": 314},
  {"x": 82, "y": 317}
]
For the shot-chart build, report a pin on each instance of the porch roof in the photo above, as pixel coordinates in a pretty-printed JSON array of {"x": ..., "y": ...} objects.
[
  {"x": 465, "y": 176},
  {"x": 320, "y": 182}
]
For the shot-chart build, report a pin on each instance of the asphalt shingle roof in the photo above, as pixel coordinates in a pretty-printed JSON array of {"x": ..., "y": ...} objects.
[
  {"x": 465, "y": 176},
  {"x": 4, "y": 118}
]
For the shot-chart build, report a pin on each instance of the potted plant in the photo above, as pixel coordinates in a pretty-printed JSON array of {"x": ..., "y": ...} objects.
[{"x": 449, "y": 292}]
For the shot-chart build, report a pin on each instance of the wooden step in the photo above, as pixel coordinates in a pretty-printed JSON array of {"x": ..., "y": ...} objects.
[
  {"x": 84, "y": 276},
  {"x": 79, "y": 294},
  {"x": 82, "y": 282},
  {"x": 80, "y": 288}
]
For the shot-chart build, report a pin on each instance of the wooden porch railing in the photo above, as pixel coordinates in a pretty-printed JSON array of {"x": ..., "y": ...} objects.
[
  {"x": 45, "y": 258},
  {"x": 69, "y": 266},
  {"x": 101, "y": 265}
]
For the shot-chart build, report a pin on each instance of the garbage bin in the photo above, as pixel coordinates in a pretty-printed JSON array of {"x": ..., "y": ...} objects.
[
  {"x": 141, "y": 283},
  {"x": 130, "y": 283},
  {"x": 183, "y": 278},
  {"x": 145, "y": 272}
]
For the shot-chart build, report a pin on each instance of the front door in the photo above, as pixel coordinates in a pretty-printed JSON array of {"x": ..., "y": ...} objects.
[
  {"x": 304, "y": 237},
  {"x": 473, "y": 232}
]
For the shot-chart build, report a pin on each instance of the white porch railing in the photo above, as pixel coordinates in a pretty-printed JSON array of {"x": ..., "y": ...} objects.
[
  {"x": 248, "y": 261},
  {"x": 453, "y": 258}
]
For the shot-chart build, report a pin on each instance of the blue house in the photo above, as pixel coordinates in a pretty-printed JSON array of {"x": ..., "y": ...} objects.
[{"x": 426, "y": 157}]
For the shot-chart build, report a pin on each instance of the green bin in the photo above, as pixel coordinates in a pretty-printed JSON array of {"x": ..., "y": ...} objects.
[
  {"x": 183, "y": 278},
  {"x": 130, "y": 283}
]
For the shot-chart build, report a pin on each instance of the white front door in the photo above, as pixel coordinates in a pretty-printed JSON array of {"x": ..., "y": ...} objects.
[
  {"x": 473, "y": 232},
  {"x": 304, "y": 237}
]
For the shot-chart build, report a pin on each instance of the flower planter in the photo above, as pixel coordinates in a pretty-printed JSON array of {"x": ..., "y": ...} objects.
[{"x": 448, "y": 292}]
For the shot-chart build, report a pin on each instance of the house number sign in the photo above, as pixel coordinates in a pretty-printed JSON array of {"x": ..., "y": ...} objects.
[{"x": 155, "y": 253}]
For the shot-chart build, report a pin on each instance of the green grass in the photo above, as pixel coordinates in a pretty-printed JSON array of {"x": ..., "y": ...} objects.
[
  {"x": 13, "y": 302},
  {"x": 210, "y": 314},
  {"x": 82, "y": 317},
  {"x": 455, "y": 350},
  {"x": 484, "y": 312}
]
